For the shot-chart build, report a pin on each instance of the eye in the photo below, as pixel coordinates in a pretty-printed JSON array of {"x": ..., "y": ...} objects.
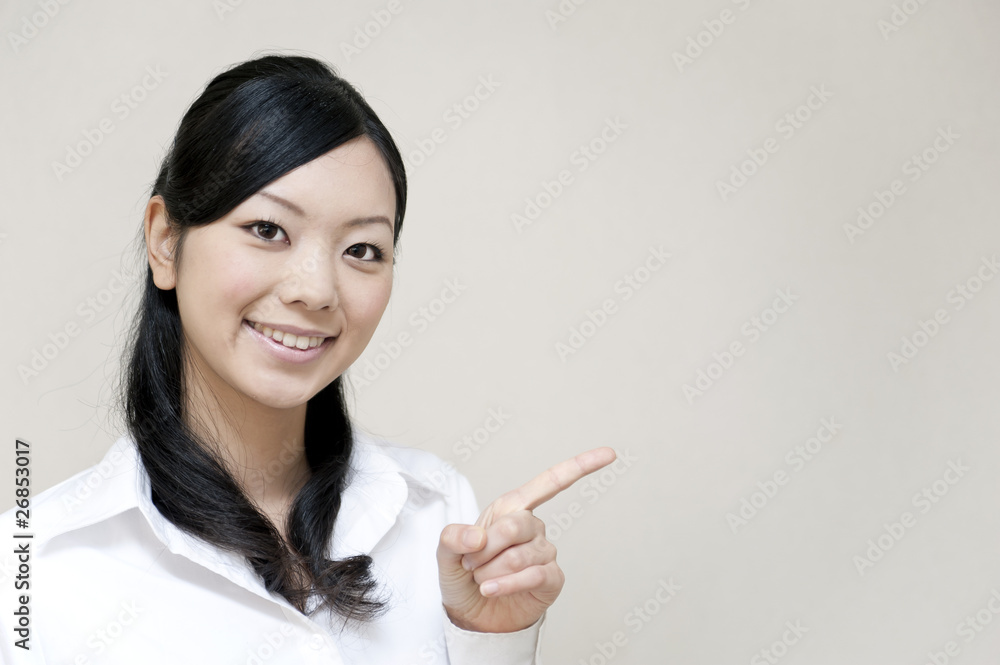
[
  {"x": 365, "y": 252},
  {"x": 268, "y": 231}
]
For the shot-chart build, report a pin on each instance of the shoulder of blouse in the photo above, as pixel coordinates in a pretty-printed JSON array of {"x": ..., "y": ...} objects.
[
  {"x": 100, "y": 492},
  {"x": 421, "y": 469}
]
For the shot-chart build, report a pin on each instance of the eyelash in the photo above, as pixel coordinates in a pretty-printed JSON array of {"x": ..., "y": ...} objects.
[
  {"x": 264, "y": 222},
  {"x": 377, "y": 249}
]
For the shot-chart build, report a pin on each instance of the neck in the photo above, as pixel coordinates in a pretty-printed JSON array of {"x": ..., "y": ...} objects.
[{"x": 263, "y": 447}]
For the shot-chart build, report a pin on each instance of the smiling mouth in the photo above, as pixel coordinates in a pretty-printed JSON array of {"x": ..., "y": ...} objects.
[{"x": 300, "y": 342}]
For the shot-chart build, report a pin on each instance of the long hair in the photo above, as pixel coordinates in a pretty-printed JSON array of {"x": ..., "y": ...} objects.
[{"x": 251, "y": 125}]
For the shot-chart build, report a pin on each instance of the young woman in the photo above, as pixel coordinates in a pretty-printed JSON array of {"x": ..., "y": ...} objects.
[{"x": 242, "y": 519}]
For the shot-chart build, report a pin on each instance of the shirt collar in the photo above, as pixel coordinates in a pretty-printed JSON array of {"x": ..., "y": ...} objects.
[
  {"x": 99, "y": 493},
  {"x": 379, "y": 489},
  {"x": 378, "y": 492}
]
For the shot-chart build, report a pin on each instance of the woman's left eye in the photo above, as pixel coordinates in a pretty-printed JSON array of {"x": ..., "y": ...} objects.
[{"x": 365, "y": 252}]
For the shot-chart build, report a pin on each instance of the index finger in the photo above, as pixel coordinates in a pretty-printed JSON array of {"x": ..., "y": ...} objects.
[{"x": 549, "y": 483}]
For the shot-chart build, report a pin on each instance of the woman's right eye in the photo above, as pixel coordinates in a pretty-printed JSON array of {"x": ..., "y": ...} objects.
[{"x": 266, "y": 230}]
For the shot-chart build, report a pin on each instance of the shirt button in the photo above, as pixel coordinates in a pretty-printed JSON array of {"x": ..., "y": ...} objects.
[{"x": 316, "y": 642}]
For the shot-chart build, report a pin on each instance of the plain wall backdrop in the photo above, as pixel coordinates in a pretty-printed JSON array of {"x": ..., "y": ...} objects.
[{"x": 750, "y": 244}]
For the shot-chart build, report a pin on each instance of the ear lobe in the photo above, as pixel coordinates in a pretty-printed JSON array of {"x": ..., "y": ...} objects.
[{"x": 160, "y": 240}]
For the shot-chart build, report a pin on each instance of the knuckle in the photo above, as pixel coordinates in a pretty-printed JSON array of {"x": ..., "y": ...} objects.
[
  {"x": 558, "y": 574},
  {"x": 501, "y": 506},
  {"x": 516, "y": 559},
  {"x": 508, "y": 528},
  {"x": 547, "y": 549},
  {"x": 450, "y": 535},
  {"x": 553, "y": 576}
]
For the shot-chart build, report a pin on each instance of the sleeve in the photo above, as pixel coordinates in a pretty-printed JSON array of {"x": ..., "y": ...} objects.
[{"x": 466, "y": 647}]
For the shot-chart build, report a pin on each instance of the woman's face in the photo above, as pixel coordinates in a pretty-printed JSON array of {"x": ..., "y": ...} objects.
[{"x": 308, "y": 258}]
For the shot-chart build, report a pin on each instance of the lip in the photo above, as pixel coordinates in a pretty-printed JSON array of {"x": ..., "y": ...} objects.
[
  {"x": 298, "y": 332},
  {"x": 289, "y": 354}
]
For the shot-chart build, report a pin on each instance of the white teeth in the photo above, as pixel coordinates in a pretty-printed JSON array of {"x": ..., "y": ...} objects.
[{"x": 288, "y": 339}]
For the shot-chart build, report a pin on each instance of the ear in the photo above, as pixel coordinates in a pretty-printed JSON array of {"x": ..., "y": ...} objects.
[{"x": 160, "y": 244}]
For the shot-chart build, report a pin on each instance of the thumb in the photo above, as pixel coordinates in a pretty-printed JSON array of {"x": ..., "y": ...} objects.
[
  {"x": 459, "y": 591},
  {"x": 456, "y": 541}
]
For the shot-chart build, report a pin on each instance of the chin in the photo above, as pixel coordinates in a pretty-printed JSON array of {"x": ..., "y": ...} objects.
[{"x": 284, "y": 400}]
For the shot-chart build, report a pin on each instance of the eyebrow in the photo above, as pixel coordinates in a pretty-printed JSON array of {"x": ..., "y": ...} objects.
[
  {"x": 283, "y": 202},
  {"x": 361, "y": 221}
]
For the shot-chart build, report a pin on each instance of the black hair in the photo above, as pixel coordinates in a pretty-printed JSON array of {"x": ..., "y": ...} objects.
[{"x": 252, "y": 124}]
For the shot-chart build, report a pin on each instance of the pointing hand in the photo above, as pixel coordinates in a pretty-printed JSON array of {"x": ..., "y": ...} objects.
[{"x": 500, "y": 575}]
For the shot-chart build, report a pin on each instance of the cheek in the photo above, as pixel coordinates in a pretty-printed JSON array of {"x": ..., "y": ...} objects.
[
  {"x": 238, "y": 285},
  {"x": 368, "y": 301},
  {"x": 225, "y": 278}
]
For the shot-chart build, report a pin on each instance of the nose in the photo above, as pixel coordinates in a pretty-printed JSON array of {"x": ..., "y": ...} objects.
[{"x": 310, "y": 280}]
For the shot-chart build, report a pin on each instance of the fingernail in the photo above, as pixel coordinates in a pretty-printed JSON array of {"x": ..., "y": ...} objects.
[
  {"x": 489, "y": 588},
  {"x": 471, "y": 538},
  {"x": 466, "y": 563}
]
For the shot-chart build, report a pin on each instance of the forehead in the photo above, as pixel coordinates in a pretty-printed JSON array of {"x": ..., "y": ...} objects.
[{"x": 350, "y": 180}]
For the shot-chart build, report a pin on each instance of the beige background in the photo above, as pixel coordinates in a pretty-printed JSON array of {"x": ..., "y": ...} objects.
[{"x": 887, "y": 93}]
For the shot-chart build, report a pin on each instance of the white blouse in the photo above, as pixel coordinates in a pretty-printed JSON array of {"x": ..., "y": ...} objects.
[{"x": 112, "y": 581}]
